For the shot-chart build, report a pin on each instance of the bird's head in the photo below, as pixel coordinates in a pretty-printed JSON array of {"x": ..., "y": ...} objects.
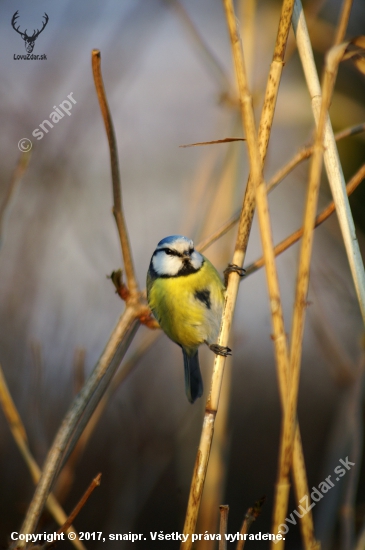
[{"x": 175, "y": 256}]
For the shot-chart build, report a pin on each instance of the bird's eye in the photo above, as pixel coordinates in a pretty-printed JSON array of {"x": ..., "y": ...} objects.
[
  {"x": 191, "y": 250},
  {"x": 169, "y": 252}
]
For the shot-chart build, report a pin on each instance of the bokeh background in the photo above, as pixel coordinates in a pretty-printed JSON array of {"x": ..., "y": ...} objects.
[{"x": 167, "y": 87}]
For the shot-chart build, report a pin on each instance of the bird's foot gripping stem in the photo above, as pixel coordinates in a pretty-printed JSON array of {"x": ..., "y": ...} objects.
[
  {"x": 233, "y": 268},
  {"x": 220, "y": 350}
]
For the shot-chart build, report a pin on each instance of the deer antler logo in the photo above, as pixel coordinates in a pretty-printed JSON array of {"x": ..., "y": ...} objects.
[{"x": 28, "y": 40}]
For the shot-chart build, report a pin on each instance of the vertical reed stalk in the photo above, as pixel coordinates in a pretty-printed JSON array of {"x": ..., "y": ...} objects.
[
  {"x": 257, "y": 154},
  {"x": 288, "y": 431},
  {"x": 331, "y": 158}
]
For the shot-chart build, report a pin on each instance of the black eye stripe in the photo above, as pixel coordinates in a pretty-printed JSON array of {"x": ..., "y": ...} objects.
[{"x": 171, "y": 252}]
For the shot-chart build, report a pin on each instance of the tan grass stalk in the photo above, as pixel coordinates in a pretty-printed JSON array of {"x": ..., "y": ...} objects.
[
  {"x": 216, "y": 473},
  {"x": 281, "y": 352},
  {"x": 222, "y": 201},
  {"x": 257, "y": 153},
  {"x": 289, "y": 423},
  {"x": 331, "y": 158},
  {"x": 19, "y": 434}
]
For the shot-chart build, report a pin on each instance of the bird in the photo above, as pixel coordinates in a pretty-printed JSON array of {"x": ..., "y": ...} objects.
[{"x": 186, "y": 295}]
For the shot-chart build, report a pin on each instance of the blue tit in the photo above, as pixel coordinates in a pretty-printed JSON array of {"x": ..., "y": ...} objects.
[{"x": 186, "y": 295}]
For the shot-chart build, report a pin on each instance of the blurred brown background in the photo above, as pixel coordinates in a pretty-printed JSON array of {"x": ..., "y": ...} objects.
[{"x": 59, "y": 242}]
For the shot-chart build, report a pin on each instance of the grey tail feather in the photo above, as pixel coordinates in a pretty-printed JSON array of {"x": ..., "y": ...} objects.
[{"x": 193, "y": 378}]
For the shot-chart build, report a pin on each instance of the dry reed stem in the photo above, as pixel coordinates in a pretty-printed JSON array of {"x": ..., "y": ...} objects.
[
  {"x": 223, "y": 511},
  {"x": 322, "y": 216},
  {"x": 300, "y": 304},
  {"x": 17, "y": 175},
  {"x": 217, "y": 470},
  {"x": 117, "y": 193},
  {"x": 281, "y": 354},
  {"x": 19, "y": 434},
  {"x": 331, "y": 158},
  {"x": 257, "y": 153},
  {"x": 222, "y": 201},
  {"x": 299, "y": 157}
]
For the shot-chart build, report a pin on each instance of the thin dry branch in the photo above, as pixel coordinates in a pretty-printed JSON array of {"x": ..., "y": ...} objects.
[
  {"x": 79, "y": 506},
  {"x": 117, "y": 193},
  {"x": 66, "y": 527},
  {"x": 19, "y": 434}
]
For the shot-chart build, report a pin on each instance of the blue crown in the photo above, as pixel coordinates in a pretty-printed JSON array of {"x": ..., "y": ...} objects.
[{"x": 173, "y": 238}]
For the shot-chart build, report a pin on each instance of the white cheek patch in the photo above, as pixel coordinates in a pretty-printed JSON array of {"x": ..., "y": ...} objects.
[
  {"x": 196, "y": 260},
  {"x": 166, "y": 265}
]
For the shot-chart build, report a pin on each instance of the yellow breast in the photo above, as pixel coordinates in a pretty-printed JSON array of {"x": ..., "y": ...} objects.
[{"x": 187, "y": 319}]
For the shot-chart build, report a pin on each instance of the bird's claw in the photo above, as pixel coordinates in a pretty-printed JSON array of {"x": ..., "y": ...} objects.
[
  {"x": 233, "y": 268},
  {"x": 220, "y": 350}
]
